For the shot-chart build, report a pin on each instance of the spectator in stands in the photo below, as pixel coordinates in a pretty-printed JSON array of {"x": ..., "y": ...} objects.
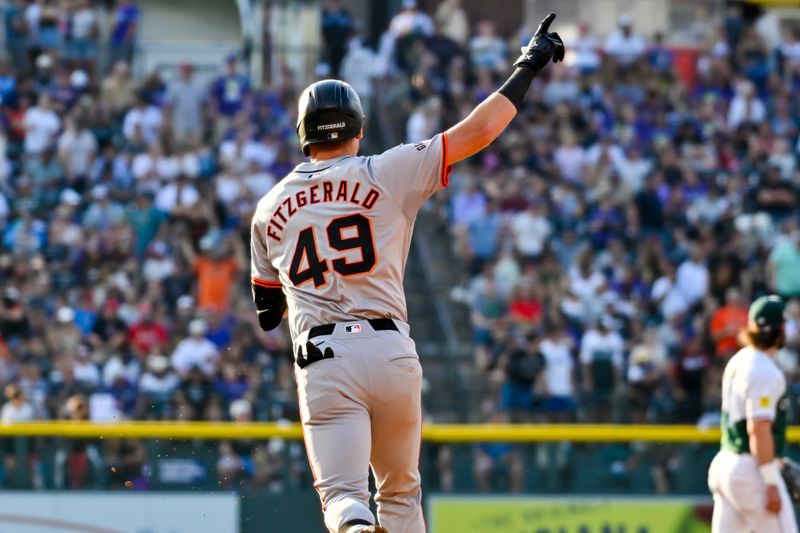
[
  {"x": 647, "y": 370},
  {"x": 195, "y": 351},
  {"x": 41, "y": 126},
  {"x": 15, "y": 34},
  {"x": 121, "y": 366},
  {"x": 77, "y": 148},
  {"x": 125, "y": 30},
  {"x": 691, "y": 278},
  {"x": 337, "y": 27},
  {"x": 773, "y": 195},
  {"x": 119, "y": 89},
  {"x": 623, "y": 46},
  {"x": 186, "y": 97},
  {"x": 411, "y": 20},
  {"x": 521, "y": 364},
  {"x": 784, "y": 265},
  {"x": 727, "y": 322},
  {"x": 452, "y": 20},
  {"x": 486, "y": 49},
  {"x": 602, "y": 357},
  {"x": 147, "y": 335},
  {"x": 157, "y": 386},
  {"x": 230, "y": 95},
  {"x": 424, "y": 121},
  {"x": 144, "y": 119},
  {"x": 220, "y": 260},
  {"x": 17, "y": 409},
  {"x": 83, "y": 47},
  {"x": 195, "y": 398},
  {"x": 746, "y": 107},
  {"x": 78, "y": 462},
  {"x": 484, "y": 236},
  {"x": 559, "y": 379},
  {"x": 498, "y": 459}
]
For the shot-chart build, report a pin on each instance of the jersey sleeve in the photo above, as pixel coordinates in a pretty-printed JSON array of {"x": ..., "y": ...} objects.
[
  {"x": 262, "y": 273},
  {"x": 411, "y": 173},
  {"x": 762, "y": 396}
]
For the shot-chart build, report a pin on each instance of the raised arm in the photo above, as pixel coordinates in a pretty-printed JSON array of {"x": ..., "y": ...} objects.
[{"x": 488, "y": 120}]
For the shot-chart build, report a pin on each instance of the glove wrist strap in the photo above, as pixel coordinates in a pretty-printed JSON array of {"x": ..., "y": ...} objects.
[
  {"x": 517, "y": 85},
  {"x": 770, "y": 473}
]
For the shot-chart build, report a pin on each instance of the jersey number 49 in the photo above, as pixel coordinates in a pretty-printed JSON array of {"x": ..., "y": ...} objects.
[{"x": 351, "y": 232}]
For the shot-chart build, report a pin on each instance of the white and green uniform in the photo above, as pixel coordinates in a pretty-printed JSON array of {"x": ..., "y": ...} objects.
[
  {"x": 335, "y": 236},
  {"x": 753, "y": 388}
]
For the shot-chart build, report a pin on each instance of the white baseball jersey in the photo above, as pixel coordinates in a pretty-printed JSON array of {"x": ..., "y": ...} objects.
[
  {"x": 753, "y": 388},
  {"x": 335, "y": 234}
]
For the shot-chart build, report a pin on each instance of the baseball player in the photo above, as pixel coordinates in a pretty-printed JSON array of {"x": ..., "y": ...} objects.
[
  {"x": 745, "y": 476},
  {"x": 329, "y": 244}
]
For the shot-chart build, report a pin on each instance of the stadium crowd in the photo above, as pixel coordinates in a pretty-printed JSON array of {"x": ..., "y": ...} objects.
[
  {"x": 125, "y": 207},
  {"x": 610, "y": 241}
]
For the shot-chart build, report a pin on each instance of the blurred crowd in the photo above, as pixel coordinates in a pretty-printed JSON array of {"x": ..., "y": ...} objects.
[
  {"x": 609, "y": 242},
  {"x": 125, "y": 209},
  {"x": 614, "y": 237}
]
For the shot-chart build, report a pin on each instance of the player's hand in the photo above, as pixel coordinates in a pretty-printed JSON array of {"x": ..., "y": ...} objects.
[
  {"x": 773, "y": 499},
  {"x": 544, "y": 45}
]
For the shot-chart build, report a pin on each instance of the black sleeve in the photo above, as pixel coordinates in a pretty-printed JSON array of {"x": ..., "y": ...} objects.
[{"x": 270, "y": 305}]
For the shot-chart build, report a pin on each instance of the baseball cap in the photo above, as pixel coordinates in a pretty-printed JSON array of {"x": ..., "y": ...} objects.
[
  {"x": 157, "y": 363},
  {"x": 240, "y": 408},
  {"x": 198, "y": 327},
  {"x": 766, "y": 313}
]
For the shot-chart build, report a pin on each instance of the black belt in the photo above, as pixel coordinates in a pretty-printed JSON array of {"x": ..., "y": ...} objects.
[{"x": 378, "y": 324}]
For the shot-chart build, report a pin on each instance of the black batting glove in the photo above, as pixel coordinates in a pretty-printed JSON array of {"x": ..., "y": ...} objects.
[
  {"x": 312, "y": 355},
  {"x": 544, "y": 46}
]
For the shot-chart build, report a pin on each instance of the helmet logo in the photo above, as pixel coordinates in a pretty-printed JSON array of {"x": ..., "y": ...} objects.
[{"x": 336, "y": 126}]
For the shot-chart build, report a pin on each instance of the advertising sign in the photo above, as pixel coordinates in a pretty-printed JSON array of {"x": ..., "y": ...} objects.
[
  {"x": 121, "y": 512},
  {"x": 478, "y": 514}
]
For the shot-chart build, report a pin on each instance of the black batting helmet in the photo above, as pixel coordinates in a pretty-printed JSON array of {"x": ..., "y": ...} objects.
[{"x": 329, "y": 110}]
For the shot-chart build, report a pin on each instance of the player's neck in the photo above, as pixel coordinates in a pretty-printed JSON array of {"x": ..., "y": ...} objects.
[{"x": 323, "y": 153}]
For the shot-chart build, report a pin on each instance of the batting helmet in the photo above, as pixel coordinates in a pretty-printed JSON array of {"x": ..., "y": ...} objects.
[{"x": 329, "y": 110}]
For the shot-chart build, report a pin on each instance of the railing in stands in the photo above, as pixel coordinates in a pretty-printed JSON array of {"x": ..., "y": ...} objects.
[{"x": 439, "y": 433}]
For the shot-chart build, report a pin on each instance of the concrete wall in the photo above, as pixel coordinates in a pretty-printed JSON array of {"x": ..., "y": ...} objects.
[
  {"x": 202, "y": 32},
  {"x": 189, "y": 20}
]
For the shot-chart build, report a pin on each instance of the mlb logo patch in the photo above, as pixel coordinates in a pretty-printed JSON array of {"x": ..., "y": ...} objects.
[{"x": 352, "y": 328}]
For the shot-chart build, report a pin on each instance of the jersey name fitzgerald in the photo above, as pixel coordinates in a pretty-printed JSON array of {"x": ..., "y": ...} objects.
[{"x": 325, "y": 192}]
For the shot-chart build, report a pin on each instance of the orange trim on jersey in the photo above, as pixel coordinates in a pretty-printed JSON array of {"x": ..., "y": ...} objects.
[
  {"x": 266, "y": 284},
  {"x": 444, "y": 176}
]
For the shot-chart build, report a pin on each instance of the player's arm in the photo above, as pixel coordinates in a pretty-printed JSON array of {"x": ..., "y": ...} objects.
[
  {"x": 488, "y": 120},
  {"x": 762, "y": 447},
  {"x": 268, "y": 295},
  {"x": 270, "y": 305}
]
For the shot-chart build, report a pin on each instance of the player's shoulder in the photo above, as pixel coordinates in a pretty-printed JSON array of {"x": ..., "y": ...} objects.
[
  {"x": 752, "y": 364},
  {"x": 404, "y": 150}
]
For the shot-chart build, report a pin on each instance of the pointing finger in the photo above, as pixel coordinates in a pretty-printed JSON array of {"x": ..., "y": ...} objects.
[{"x": 544, "y": 26}]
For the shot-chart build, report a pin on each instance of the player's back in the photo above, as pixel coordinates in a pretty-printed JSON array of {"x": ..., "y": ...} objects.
[
  {"x": 752, "y": 388},
  {"x": 336, "y": 234}
]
